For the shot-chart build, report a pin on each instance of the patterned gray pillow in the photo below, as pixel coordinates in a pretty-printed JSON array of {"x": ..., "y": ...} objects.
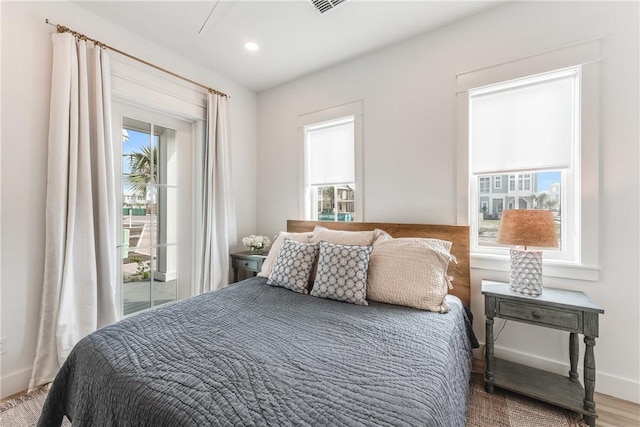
[
  {"x": 342, "y": 273},
  {"x": 293, "y": 266}
]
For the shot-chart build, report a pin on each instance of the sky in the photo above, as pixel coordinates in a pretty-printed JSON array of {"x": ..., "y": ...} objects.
[
  {"x": 135, "y": 142},
  {"x": 545, "y": 179}
]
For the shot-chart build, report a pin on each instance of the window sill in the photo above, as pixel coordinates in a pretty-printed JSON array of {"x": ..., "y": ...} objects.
[{"x": 550, "y": 268}]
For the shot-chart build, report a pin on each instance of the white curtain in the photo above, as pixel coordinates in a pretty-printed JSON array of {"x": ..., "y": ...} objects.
[
  {"x": 79, "y": 286},
  {"x": 218, "y": 227}
]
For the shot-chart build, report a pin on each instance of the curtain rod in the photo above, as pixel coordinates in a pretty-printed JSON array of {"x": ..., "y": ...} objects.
[{"x": 63, "y": 29}]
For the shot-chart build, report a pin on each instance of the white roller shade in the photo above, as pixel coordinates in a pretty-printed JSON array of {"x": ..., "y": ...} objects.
[
  {"x": 525, "y": 125},
  {"x": 331, "y": 154}
]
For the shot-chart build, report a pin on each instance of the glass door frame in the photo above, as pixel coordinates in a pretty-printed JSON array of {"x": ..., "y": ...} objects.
[{"x": 186, "y": 219}]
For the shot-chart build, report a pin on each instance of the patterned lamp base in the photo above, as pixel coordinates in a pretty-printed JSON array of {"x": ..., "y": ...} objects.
[{"x": 525, "y": 275}]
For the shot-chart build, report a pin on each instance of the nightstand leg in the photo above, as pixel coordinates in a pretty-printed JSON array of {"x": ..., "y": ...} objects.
[
  {"x": 574, "y": 355},
  {"x": 235, "y": 275},
  {"x": 589, "y": 379},
  {"x": 488, "y": 370}
]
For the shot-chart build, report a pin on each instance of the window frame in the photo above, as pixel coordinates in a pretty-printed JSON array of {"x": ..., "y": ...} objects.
[
  {"x": 585, "y": 54},
  {"x": 484, "y": 185},
  {"x": 184, "y": 218},
  {"x": 497, "y": 182},
  {"x": 522, "y": 181},
  {"x": 328, "y": 116}
]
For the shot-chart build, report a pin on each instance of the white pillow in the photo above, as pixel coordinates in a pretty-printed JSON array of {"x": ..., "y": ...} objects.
[
  {"x": 339, "y": 237},
  {"x": 410, "y": 272},
  {"x": 268, "y": 263}
]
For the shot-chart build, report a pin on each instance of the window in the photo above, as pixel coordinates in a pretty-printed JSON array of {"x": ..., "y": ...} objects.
[
  {"x": 331, "y": 170},
  {"x": 576, "y": 161},
  {"x": 484, "y": 184},
  {"x": 527, "y": 130},
  {"x": 497, "y": 182},
  {"x": 332, "y": 163},
  {"x": 524, "y": 182}
]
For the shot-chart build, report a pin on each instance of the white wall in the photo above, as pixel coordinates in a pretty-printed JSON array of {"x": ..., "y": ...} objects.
[
  {"x": 410, "y": 155},
  {"x": 26, "y": 83}
]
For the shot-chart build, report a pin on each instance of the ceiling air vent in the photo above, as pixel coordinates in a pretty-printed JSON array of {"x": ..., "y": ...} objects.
[{"x": 326, "y": 5}]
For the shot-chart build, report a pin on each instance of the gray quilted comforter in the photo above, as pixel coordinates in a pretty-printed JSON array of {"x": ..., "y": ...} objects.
[{"x": 255, "y": 355}]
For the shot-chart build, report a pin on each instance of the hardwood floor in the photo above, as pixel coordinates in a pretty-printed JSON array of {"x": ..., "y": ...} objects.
[{"x": 612, "y": 412}]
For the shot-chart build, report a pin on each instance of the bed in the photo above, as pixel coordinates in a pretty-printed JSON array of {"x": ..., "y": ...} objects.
[{"x": 258, "y": 355}]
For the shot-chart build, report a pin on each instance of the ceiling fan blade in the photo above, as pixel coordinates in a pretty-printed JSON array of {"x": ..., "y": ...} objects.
[
  {"x": 221, "y": 9},
  {"x": 208, "y": 16}
]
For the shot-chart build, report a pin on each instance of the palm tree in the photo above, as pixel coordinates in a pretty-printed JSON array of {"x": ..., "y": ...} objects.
[
  {"x": 140, "y": 165},
  {"x": 542, "y": 199}
]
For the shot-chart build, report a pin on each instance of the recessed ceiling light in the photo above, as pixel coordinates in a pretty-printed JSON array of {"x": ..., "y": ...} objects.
[{"x": 251, "y": 46}]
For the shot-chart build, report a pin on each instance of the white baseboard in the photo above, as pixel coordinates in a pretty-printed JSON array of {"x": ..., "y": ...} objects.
[
  {"x": 611, "y": 385},
  {"x": 14, "y": 383}
]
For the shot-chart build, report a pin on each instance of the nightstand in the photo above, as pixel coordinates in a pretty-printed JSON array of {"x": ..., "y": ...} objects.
[
  {"x": 565, "y": 310},
  {"x": 246, "y": 261}
]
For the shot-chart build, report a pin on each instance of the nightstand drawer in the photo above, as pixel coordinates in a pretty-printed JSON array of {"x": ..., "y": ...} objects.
[
  {"x": 567, "y": 320},
  {"x": 246, "y": 261},
  {"x": 246, "y": 264}
]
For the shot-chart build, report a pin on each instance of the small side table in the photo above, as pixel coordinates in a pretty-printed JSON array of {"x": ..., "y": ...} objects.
[
  {"x": 569, "y": 311},
  {"x": 246, "y": 261}
]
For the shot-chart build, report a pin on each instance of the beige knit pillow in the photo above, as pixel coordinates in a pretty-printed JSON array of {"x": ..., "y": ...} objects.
[
  {"x": 339, "y": 237},
  {"x": 270, "y": 261},
  {"x": 410, "y": 272}
]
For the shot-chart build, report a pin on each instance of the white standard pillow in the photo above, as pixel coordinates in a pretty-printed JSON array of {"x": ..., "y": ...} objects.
[
  {"x": 410, "y": 272},
  {"x": 268, "y": 263},
  {"x": 340, "y": 237}
]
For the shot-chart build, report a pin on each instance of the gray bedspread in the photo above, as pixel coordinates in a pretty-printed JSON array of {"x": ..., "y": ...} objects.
[{"x": 255, "y": 355}]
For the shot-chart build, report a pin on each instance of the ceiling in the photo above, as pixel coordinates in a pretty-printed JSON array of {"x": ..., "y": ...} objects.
[{"x": 294, "y": 38}]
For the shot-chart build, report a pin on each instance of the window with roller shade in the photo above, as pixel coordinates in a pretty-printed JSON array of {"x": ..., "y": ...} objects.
[
  {"x": 525, "y": 133},
  {"x": 330, "y": 170}
]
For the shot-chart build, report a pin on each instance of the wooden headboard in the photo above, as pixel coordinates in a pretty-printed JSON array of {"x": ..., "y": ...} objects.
[{"x": 457, "y": 234}]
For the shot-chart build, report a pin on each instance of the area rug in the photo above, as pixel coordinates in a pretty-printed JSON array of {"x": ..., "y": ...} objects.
[
  {"x": 500, "y": 409},
  {"x": 505, "y": 409},
  {"x": 25, "y": 410}
]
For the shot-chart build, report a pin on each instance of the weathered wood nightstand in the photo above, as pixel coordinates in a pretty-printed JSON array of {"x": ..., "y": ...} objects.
[
  {"x": 246, "y": 261},
  {"x": 570, "y": 311}
]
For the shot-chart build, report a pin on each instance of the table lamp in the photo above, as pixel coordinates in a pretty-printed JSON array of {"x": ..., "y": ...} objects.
[{"x": 522, "y": 228}]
